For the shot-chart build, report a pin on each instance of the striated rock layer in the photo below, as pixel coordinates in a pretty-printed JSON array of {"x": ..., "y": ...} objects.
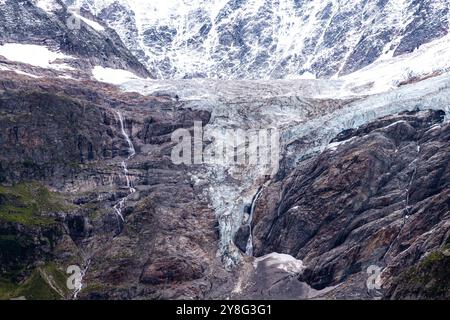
[{"x": 378, "y": 195}]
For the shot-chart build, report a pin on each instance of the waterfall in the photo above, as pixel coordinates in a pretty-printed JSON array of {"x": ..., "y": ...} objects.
[
  {"x": 131, "y": 149},
  {"x": 131, "y": 153},
  {"x": 249, "y": 247},
  {"x": 80, "y": 282}
]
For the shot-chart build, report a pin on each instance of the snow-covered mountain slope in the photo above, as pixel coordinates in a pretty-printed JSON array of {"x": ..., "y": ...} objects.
[
  {"x": 45, "y": 34},
  {"x": 266, "y": 39},
  {"x": 385, "y": 74}
]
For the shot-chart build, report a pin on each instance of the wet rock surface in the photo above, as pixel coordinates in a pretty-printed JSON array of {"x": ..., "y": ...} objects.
[{"x": 87, "y": 180}]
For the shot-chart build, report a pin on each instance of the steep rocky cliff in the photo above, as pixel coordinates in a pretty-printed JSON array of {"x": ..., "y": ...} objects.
[
  {"x": 377, "y": 196},
  {"x": 356, "y": 205},
  {"x": 69, "y": 148},
  {"x": 373, "y": 195}
]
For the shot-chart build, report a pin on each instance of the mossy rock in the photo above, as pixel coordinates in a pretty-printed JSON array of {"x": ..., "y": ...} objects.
[
  {"x": 7, "y": 289},
  {"x": 429, "y": 279},
  {"x": 94, "y": 288},
  {"x": 45, "y": 283},
  {"x": 28, "y": 203}
]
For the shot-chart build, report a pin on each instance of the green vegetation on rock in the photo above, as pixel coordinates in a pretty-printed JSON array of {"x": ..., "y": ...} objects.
[
  {"x": 7, "y": 289},
  {"x": 27, "y": 203},
  {"x": 44, "y": 283},
  {"x": 429, "y": 279}
]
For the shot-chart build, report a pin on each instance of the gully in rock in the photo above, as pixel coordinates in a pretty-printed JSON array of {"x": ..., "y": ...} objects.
[
  {"x": 131, "y": 153},
  {"x": 406, "y": 210},
  {"x": 249, "y": 247}
]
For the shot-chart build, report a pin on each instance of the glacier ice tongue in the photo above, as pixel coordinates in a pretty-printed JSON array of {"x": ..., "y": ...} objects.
[{"x": 301, "y": 110}]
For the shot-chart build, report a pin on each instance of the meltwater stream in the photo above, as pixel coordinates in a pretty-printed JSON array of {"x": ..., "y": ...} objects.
[
  {"x": 131, "y": 153},
  {"x": 249, "y": 247},
  {"x": 118, "y": 207},
  {"x": 80, "y": 281}
]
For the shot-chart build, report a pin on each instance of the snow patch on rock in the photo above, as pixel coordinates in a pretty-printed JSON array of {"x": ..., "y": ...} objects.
[
  {"x": 48, "y": 6},
  {"x": 388, "y": 72},
  {"x": 93, "y": 24},
  {"x": 113, "y": 76},
  {"x": 35, "y": 55},
  {"x": 281, "y": 261}
]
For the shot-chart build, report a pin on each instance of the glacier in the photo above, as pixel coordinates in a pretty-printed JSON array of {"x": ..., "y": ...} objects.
[{"x": 313, "y": 111}]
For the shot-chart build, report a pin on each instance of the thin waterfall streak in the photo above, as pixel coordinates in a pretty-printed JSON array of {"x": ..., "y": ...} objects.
[
  {"x": 118, "y": 207},
  {"x": 131, "y": 149},
  {"x": 82, "y": 275},
  {"x": 249, "y": 246}
]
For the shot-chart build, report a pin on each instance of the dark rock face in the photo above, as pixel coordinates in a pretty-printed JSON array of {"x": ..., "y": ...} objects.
[
  {"x": 380, "y": 197},
  {"x": 428, "y": 279},
  {"x": 377, "y": 196},
  {"x": 241, "y": 237},
  {"x": 48, "y": 134},
  {"x": 158, "y": 127},
  {"x": 21, "y": 21},
  {"x": 66, "y": 136},
  {"x": 24, "y": 246},
  {"x": 169, "y": 270}
]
